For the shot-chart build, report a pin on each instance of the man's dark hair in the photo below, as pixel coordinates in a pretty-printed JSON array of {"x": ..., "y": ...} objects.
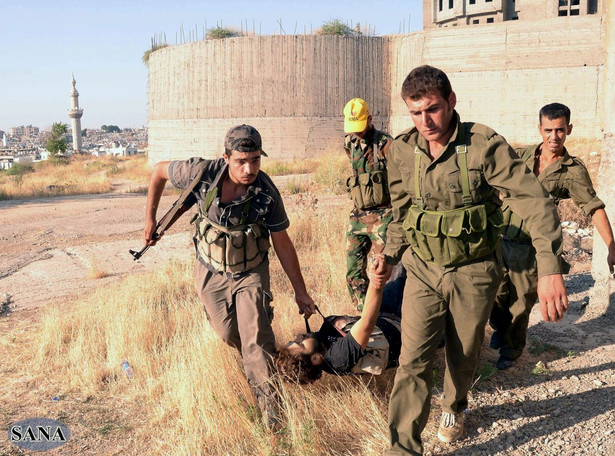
[
  {"x": 554, "y": 111},
  {"x": 296, "y": 368},
  {"x": 426, "y": 80}
]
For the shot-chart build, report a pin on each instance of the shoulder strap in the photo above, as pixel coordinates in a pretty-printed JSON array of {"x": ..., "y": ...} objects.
[
  {"x": 417, "y": 178},
  {"x": 462, "y": 153},
  {"x": 179, "y": 206},
  {"x": 213, "y": 192}
]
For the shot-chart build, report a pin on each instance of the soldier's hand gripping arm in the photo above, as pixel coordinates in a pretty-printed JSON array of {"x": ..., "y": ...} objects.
[
  {"x": 285, "y": 250},
  {"x": 362, "y": 329},
  {"x": 158, "y": 179}
]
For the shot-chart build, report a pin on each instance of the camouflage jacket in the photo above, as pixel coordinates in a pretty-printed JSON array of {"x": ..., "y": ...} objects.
[{"x": 361, "y": 151}]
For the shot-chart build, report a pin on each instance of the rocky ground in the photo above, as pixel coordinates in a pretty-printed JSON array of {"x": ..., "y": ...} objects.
[{"x": 558, "y": 400}]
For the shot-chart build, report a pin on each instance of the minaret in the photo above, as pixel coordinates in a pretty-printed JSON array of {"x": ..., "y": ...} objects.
[{"x": 75, "y": 114}]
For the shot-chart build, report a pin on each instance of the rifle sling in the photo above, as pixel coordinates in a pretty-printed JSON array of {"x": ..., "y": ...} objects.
[{"x": 179, "y": 206}]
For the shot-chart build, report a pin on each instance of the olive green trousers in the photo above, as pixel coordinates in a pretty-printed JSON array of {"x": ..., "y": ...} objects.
[
  {"x": 516, "y": 297},
  {"x": 239, "y": 311},
  {"x": 454, "y": 300}
]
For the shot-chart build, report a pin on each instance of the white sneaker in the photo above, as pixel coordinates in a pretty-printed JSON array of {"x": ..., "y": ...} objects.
[{"x": 451, "y": 427}]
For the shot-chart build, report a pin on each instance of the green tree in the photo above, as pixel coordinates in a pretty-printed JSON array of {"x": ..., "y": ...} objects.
[
  {"x": 111, "y": 129},
  {"x": 337, "y": 27},
  {"x": 56, "y": 143}
]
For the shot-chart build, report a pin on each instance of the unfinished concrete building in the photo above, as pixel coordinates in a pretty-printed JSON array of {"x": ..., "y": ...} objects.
[{"x": 453, "y": 13}]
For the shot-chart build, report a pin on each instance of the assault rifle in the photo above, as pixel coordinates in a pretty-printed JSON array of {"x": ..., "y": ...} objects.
[
  {"x": 181, "y": 206},
  {"x": 168, "y": 219}
]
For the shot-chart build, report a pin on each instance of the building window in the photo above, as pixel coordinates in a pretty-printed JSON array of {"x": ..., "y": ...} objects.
[
  {"x": 450, "y": 4},
  {"x": 440, "y": 5},
  {"x": 574, "y": 12},
  {"x": 574, "y": 2},
  {"x": 563, "y": 3},
  {"x": 592, "y": 6},
  {"x": 488, "y": 1},
  {"x": 489, "y": 20},
  {"x": 562, "y": 13},
  {"x": 475, "y": 21},
  {"x": 472, "y": 2}
]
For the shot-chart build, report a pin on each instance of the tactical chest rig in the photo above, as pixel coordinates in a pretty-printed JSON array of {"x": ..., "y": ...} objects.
[
  {"x": 370, "y": 189},
  {"x": 453, "y": 237},
  {"x": 233, "y": 249}
]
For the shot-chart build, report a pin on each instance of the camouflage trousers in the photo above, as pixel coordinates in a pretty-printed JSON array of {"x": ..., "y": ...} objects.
[{"x": 366, "y": 233}]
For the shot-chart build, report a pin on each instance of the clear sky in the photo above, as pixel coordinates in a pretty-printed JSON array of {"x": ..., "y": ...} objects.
[{"x": 43, "y": 42}]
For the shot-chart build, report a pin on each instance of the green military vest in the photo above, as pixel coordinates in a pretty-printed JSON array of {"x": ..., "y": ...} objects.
[
  {"x": 453, "y": 237},
  {"x": 234, "y": 249}
]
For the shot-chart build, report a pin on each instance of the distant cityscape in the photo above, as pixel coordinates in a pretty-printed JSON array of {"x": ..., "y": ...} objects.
[{"x": 26, "y": 144}]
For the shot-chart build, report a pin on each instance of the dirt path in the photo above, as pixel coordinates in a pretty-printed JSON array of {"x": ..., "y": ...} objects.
[{"x": 52, "y": 248}]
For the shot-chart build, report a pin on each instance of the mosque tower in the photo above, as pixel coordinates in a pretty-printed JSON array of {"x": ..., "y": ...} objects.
[{"x": 75, "y": 114}]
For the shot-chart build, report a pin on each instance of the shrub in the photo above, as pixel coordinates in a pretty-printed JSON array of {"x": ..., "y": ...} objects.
[
  {"x": 19, "y": 169},
  {"x": 337, "y": 27},
  {"x": 147, "y": 53},
  {"x": 218, "y": 33}
]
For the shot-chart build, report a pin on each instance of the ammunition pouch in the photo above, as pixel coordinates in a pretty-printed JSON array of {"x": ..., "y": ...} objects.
[
  {"x": 233, "y": 249},
  {"x": 450, "y": 238},
  {"x": 369, "y": 190}
]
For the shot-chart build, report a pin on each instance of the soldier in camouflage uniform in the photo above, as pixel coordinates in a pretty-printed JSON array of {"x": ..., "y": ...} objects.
[
  {"x": 444, "y": 178},
  {"x": 563, "y": 177},
  {"x": 367, "y": 149}
]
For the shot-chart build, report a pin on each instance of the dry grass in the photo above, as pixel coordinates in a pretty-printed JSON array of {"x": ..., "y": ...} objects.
[
  {"x": 95, "y": 271},
  {"x": 332, "y": 171},
  {"x": 285, "y": 167},
  {"x": 75, "y": 176},
  {"x": 188, "y": 395}
]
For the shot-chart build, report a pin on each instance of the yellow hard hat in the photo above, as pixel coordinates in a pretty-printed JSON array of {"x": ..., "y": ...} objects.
[{"x": 356, "y": 113}]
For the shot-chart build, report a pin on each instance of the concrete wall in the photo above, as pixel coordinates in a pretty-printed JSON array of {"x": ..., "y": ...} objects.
[
  {"x": 504, "y": 73},
  {"x": 291, "y": 88},
  {"x": 600, "y": 271}
]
